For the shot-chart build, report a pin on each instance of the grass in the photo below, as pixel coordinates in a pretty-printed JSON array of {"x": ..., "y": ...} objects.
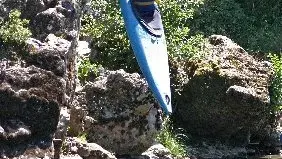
[
  {"x": 83, "y": 137},
  {"x": 171, "y": 140}
]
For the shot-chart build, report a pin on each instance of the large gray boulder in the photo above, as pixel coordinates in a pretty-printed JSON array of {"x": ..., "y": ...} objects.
[
  {"x": 225, "y": 96},
  {"x": 120, "y": 113}
]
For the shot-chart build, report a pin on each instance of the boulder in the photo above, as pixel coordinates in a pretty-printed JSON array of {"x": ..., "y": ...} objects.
[
  {"x": 33, "y": 7},
  {"x": 225, "y": 95},
  {"x": 74, "y": 145},
  {"x": 93, "y": 150},
  {"x": 48, "y": 55},
  {"x": 58, "y": 20},
  {"x": 30, "y": 101},
  {"x": 31, "y": 97},
  {"x": 157, "y": 151},
  {"x": 120, "y": 112},
  {"x": 36, "y": 81}
]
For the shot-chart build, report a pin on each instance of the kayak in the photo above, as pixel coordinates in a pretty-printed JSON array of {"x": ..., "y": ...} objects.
[{"x": 146, "y": 35}]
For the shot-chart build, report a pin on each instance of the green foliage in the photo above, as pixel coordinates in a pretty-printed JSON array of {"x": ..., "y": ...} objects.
[
  {"x": 109, "y": 37},
  {"x": 86, "y": 68},
  {"x": 172, "y": 141},
  {"x": 276, "y": 86},
  {"x": 176, "y": 14},
  {"x": 193, "y": 49},
  {"x": 255, "y": 25},
  {"x": 14, "y": 30},
  {"x": 83, "y": 137}
]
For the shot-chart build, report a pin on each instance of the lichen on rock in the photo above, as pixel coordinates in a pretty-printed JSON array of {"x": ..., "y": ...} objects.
[
  {"x": 226, "y": 96},
  {"x": 125, "y": 118}
]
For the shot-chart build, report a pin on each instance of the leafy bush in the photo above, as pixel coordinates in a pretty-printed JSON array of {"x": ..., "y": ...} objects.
[
  {"x": 14, "y": 30},
  {"x": 176, "y": 14},
  {"x": 109, "y": 37},
  {"x": 255, "y": 25},
  {"x": 86, "y": 68},
  {"x": 83, "y": 137},
  {"x": 276, "y": 86},
  {"x": 172, "y": 141}
]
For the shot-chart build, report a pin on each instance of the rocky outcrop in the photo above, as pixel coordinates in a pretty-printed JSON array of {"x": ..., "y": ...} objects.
[
  {"x": 86, "y": 150},
  {"x": 74, "y": 146},
  {"x": 30, "y": 99},
  {"x": 33, "y": 96},
  {"x": 37, "y": 80},
  {"x": 226, "y": 95},
  {"x": 157, "y": 151},
  {"x": 49, "y": 54},
  {"x": 58, "y": 20},
  {"x": 120, "y": 112},
  {"x": 116, "y": 111}
]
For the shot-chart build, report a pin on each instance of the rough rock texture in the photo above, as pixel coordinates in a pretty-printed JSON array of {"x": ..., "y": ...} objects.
[
  {"x": 48, "y": 55},
  {"x": 29, "y": 8},
  {"x": 225, "y": 95},
  {"x": 120, "y": 112},
  {"x": 63, "y": 123},
  {"x": 36, "y": 81},
  {"x": 58, "y": 20},
  {"x": 92, "y": 150},
  {"x": 86, "y": 150},
  {"x": 157, "y": 151},
  {"x": 33, "y": 96},
  {"x": 29, "y": 109},
  {"x": 43, "y": 150},
  {"x": 206, "y": 150},
  {"x": 77, "y": 120}
]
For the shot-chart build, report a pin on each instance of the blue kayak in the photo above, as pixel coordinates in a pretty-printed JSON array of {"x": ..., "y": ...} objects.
[{"x": 147, "y": 38}]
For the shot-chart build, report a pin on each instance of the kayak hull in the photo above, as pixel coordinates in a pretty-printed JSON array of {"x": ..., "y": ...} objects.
[{"x": 151, "y": 54}]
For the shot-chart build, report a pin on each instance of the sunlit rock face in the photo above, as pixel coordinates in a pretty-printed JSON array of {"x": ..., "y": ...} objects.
[
  {"x": 225, "y": 95},
  {"x": 34, "y": 78},
  {"x": 121, "y": 114}
]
